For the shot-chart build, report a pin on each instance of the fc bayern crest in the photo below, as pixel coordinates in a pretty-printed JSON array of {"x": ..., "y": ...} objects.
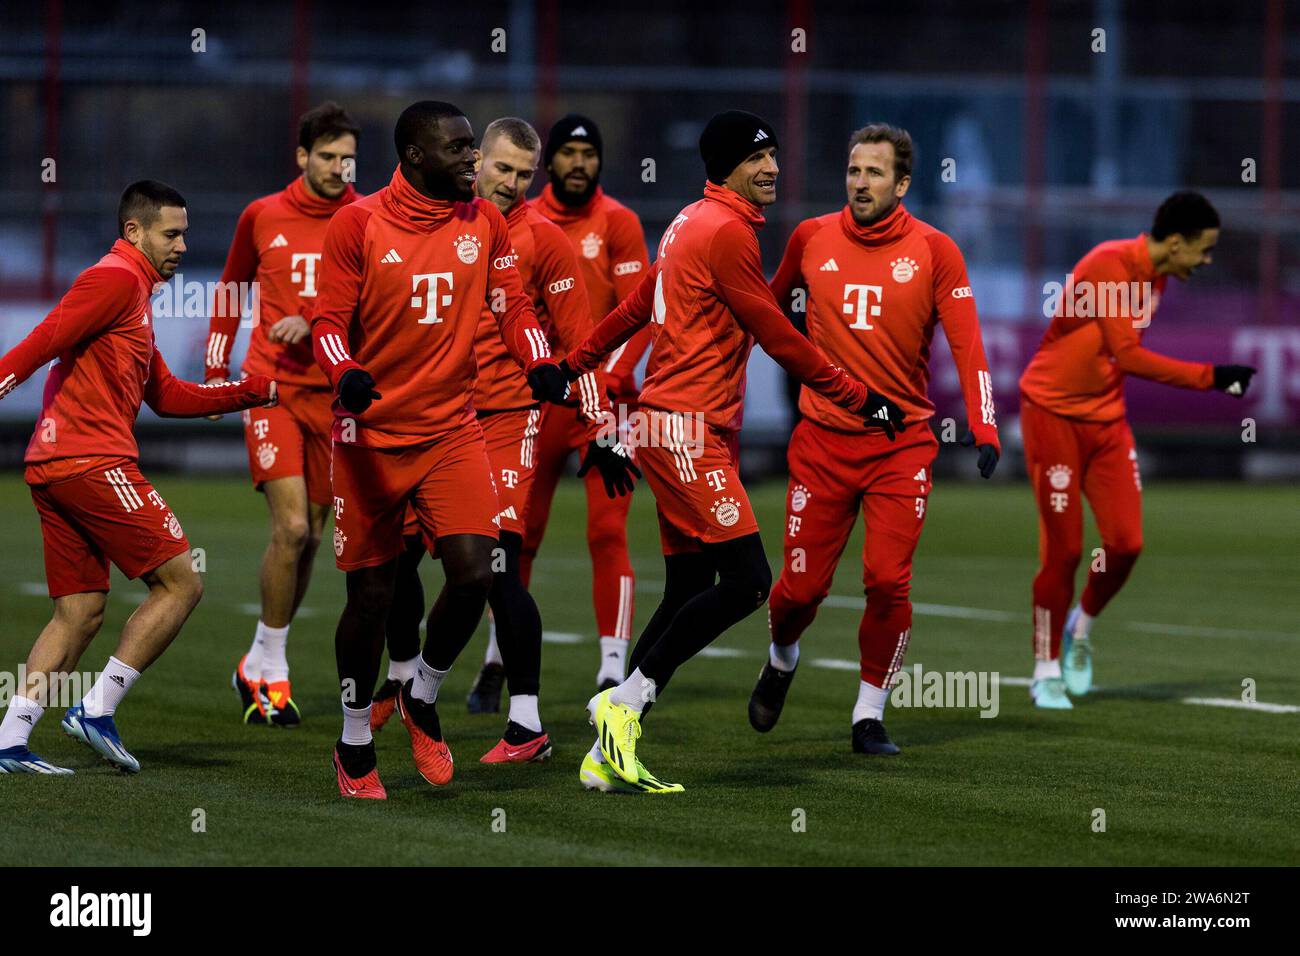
[
  {"x": 591, "y": 245},
  {"x": 799, "y": 498},
  {"x": 174, "y": 527},
  {"x": 1058, "y": 476},
  {"x": 340, "y": 539},
  {"x": 467, "y": 249},
  {"x": 904, "y": 269},
  {"x": 726, "y": 511}
]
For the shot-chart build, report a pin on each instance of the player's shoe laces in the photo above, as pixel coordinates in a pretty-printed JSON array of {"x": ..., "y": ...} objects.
[
  {"x": 485, "y": 696},
  {"x": 284, "y": 712},
  {"x": 617, "y": 727},
  {"x": 1049, "y": 693},
  {"x": 1076, "y": 658},
  {"x": 384, "y": 704},
  {"x": 430, "y": 752},
  {"x": 22, "y": 760},
  {"x": 358, "y": 771},
  {"x": 100, "y": 735},
  {"x": 519, "y": 745},
  {"x": 252, "y": 702},
  {"x": 768, "y": 698},
  {"x": 869, "y": 737},
  {"x": 598, "y": 776}
]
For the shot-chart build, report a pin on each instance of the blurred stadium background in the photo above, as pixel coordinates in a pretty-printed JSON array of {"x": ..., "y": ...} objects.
[{"x": 1056, "y": 147}]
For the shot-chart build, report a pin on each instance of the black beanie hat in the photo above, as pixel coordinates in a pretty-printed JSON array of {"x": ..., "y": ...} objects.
[
  {"x": 730, "y": 138},
  {"x": 575, "y": 126}
]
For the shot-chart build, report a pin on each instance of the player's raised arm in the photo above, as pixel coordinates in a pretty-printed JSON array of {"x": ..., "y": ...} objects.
[
  {"x": 734, "y": 260},
  {"x": 629, "y": 262},
  {"x": 241, "y": 267},
  {"x": 172, "y": 397},
  {"x": 955, "y": 305},
  {"x": 340, "y": 290},
  {"x": 631, "y": 314},
  {"x": 96, "y": 299}
]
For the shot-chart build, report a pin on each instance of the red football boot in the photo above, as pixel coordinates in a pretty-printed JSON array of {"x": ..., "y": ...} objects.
[
  {"x": 519, "y": 745},
  {"x": 384, "y": 704},
  {"x": 365, "y": 784},
  {"x": 430, "y": 752}
]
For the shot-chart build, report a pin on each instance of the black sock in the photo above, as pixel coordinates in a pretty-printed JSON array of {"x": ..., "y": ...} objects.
[
  {"x": 744, "y": 579},
  {"x": 519, "y": 624}
]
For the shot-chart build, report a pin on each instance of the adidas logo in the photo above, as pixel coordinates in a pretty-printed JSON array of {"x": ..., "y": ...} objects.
[
  {"x": 579, "y": 131},
  {"x": 762, "y": 135},
  {"x": 830, "y": 265},
  {"x": 882, "y": 413},
  {"x": 25, "y": 718},
  {"x": 278, "y": 241},
  {"x": 391, "y": 256},
  {"x": 919, "y": 476},
  {"x": 117, "y": 679}
]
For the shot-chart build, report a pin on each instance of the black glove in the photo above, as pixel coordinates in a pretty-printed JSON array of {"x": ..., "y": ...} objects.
[
  {"x": 357, "y": 390},
  {"x": 988, "y": 455},
  {"x": 616, "y": 467},
  {"x": 548, "y": 383},
  {"x": 879, "y": 412},
  {"x": 1233, "y": 379},
  {"x": 569, "y": 374}
]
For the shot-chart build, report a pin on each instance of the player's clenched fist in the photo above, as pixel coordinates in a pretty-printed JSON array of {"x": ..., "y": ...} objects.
[
  {"x": 357, "y": 390},
  {"x": 988, "y": 459},
  {"x": 549, "y": 383},
  {"x": 1233, "y": 379},
  {"x": 879, "y": 412}
]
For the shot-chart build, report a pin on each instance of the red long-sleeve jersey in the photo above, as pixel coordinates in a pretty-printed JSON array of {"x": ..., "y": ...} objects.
[
  {"x": 875, "y": 295},
  {"x": 1079, "y": 368},
  {"x": 277, "y": 244},
  {"x": 709, "y": 302},
  {"x": 552, "y": 277},
  {"x": 105, "y": 363},
  {"x": 404, "y": 279},
  {"x": 610, "y": 244}
]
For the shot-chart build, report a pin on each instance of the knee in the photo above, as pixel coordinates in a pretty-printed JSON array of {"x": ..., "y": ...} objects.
[
  {"x": 752, "y": 580},
  {"x": 1124, "y": 550},
  {"x": 1062, "y": 559},
  {"x": 293, "y": 533},
  {"x": 472, "y": 583},
  {"x": 370, "y": 595},
  {"x": 188, "y": 588},
  {"x": 83, "y": 616},
  {"x": 890, "y": 586},
  {"x": 605, "y": 536}
]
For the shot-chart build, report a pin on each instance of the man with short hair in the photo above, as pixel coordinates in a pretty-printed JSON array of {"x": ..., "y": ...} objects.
[
  {"x": 95, "y": 505},
  {"x": 609, "y": 243},
  {"x": 1077, "y": 439},
  {"x": 708, "y": 301},
  {"x": 404, "y": 277},
  {"x": 878, "y": 282},
  {"x": 509, "y": 416},
  {"x": 277, "y": 246}
]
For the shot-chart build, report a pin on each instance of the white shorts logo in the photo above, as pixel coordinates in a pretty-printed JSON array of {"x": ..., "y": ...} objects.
[
  {"x": 1058, "y": 476},
  {"x": 174, "y": 527},
  {"x": 726, "y": 511},
  {"x": 799, "y": 498},
  {"x": 467, "y": 249},
  {"x": 266, "y": 454},
  {"x": 340, "y": 539},
  {"x": 904, "y": 269}
]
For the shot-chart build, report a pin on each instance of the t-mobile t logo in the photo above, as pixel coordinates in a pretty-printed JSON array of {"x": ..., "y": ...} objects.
[
  {"x": 509, "y": 477},
  {"x": 717, "y": 479},
  {"x": 857, "y": 303},
  {"x": 306, "y": 275},
  {"x": 433, "y": 300},
  {"x": 338, "y": 508}
]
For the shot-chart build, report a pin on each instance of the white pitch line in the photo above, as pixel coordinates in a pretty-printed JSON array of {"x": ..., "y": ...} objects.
[
  {"x": 562, "y": 637},
  {"x": 1238, "y": 704},
  {"x": 723, "y": 652},
  {"x": 834, "y": 664}
]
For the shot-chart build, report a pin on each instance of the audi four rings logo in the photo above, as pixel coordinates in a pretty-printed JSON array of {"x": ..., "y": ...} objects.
[
  {"x": 505, "y": 262},
  {"x": 627, "y": 268},
  {"x": 963, "y": 292},
  {"x": 561, "y": 285}
]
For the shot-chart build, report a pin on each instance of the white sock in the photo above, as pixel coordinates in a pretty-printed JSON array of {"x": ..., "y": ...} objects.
[
  {"x": 274, "y": 663},
  {"x": 109, "y": 690},
  {"x": 871, "y": 702},
  {"x": 402, "y": 671},
  {"x": 253, "y": 659},
  {"x": 356, "y": 725},
  {"x": 20, "y": 717},
  {"x": 1046, "y": 669},
  {"x": 613, "y": 659},
  {"x": 784, "y": 658},
  {"x": 427, "y": 681},
  {"x": 596, "y": 755},
  {"x": 523, "y": 711},
  {"x": 1082, "y": 624},
  {"x": 493, "y": 655},
  {"x": 635, "y": 691}
]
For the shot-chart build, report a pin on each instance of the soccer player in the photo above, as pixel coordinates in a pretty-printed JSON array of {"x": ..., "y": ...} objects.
[
  {"x": 94, "y": 503},
  {"x": 610, "y": 244},
  {"x": 708, "y": 301},
  {"x": 509, "y": 417},
  {"x": 404, "y": 276},
  {"x": 878, "y": 281},
  {"x": 277, "y": 245},
  {"x": 1076, "y": 436}
]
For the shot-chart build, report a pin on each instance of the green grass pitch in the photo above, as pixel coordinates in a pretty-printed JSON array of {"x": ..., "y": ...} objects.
[{"x": 1213, "y": 601}]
